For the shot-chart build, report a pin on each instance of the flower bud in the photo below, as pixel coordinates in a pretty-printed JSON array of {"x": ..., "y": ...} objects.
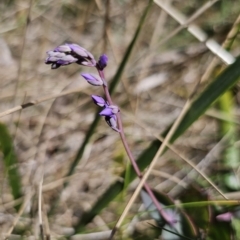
[
  {"x": 102, "y": 62},
  {"x": 67, "y": 59},
  {"x": 114, "y": 108},
  {"x": 224, "y": 217},
  {"x": 62, "y": 49},
  {"x": 98, "y": 100},
  {"x": 92, "y": 79},
  {"x": 107, "y": 112}
]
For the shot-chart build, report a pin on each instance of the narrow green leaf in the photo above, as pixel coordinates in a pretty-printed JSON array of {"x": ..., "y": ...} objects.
[
  {"x": 220, "y": 85},
  {"x": 200, "y": 214},
  {"x": 220, "y": 230},
  {"x": 231, "y": 152},
  {"x": 101, "y": 203},
  {"x": 10, "y": 162},
  {"x": 217, "y": 88}
]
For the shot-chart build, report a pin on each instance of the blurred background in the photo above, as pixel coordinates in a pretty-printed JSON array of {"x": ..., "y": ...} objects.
[{"x": 44, "y": 140}]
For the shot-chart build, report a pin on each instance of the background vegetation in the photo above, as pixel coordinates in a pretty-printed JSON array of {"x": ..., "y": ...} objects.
[{"x": 64, "y": 173}]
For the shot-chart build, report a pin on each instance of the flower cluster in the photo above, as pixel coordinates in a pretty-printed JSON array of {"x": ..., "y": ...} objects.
[
  {"x": 73, "y": 53},
  {"x": 70, "y": 53},
  {"x": 109, "y": 111}
]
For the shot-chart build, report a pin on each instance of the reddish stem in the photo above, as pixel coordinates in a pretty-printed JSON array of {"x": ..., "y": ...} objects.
[{"x": 129, "y": 153}]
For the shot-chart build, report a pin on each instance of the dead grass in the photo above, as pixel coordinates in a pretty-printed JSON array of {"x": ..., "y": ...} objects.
[{"x": 52, "y": 131}]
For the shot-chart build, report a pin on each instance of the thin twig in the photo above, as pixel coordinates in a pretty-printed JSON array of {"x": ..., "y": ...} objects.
[
  {"x": 204, "y": 163},
  {"x": 106, "y": 26},
  {"x": 20, "y": 212},
  {"x": 40, "y": 207},
  {"x": 48, "y": 233},
  {"x": 37, "y": 101},
  {"x": 28, "y": 21}
]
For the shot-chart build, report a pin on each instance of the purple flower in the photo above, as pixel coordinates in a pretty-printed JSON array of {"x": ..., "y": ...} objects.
[
  {"x": 63, "y": 49},
  {"x": 99, "y": 100},
  {"x": 58, "y": 59},
  {"x": 92, "y": 79},
  {"x": 112, "y": 122},
  {"x": 108, "y": 111},
  {"x": 80, "y": 52},
  {"x": 70, "y": 53},
  {"x": 225, "y": 217},
  {"x": 102, "y": 62}
]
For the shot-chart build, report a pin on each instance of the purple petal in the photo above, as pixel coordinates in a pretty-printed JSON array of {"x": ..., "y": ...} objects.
[
  {"x": 224, "y": 217},
  {"x": 51, "y": 53},
  {"x": 63, "y": 49},
  {"x": 62, "y": 62},
  {"x": 52, "y": 59},
  {"x": 85, "y": 63},
  {"x": 58, "y": 54},
  {"x": 92, "y": 79},
  {"x": 114, "y": 108},
  {"x": 81, "y": 52},
  {"x": 102, "y": 62},
  {"x": 112, "y": 122},
  {"x": 90, "y": 56},
  {"x": 78, "y": 50},
  {"x": 98, "y": 100},
  {"x": 69, "y": 58},
  {"x": 107, "y": 112},
  {"x": 88, "y": 76}
]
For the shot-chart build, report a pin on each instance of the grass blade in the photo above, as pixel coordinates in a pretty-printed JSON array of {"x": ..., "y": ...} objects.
[
  {"x": 217, "y": 88},
  {"x": 10, "y": 162}
]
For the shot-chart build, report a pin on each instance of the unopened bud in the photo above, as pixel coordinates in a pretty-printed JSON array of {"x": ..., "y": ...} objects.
[
  {"x": 102, "y": 62},
  {"x": 92, "y": 79},
  {"x": 224, "y": 217},
  {"x": 98, "y": 100},
  {"x": 63, "y": 49}
]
